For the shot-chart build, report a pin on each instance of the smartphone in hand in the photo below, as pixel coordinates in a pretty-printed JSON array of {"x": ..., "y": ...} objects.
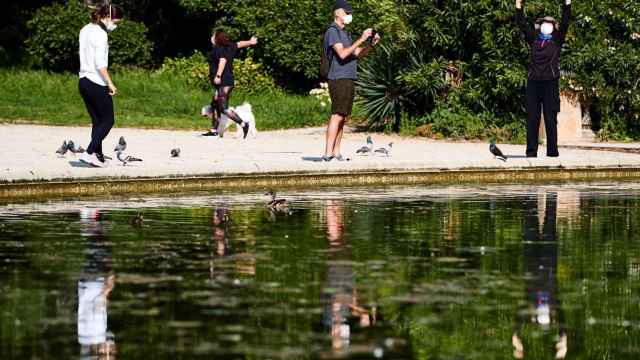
[{"x": 372, "y": 37}]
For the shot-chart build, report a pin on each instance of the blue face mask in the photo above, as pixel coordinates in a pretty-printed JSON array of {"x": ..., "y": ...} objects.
[{"x": 545, "y": 37}]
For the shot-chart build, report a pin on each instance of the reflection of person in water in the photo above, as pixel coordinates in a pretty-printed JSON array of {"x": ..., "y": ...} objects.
[
  {"x": 244, "y": 261},
  {"x": 94, "y": 287},
  {"x": 219, "y": 242},
  {"x": 340, "y": 297},
  {"x": 540, "y": 266}
]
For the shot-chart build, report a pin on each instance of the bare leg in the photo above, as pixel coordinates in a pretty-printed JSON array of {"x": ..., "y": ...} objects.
[
  {"x": 332, "y": 132},
  {"x": 338, "y": 141}
]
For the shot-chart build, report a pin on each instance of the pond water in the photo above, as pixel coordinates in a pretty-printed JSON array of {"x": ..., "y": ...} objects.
[{"x": 491, "y": 272}]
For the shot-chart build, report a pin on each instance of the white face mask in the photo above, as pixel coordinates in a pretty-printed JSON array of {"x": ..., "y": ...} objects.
[
  {"x": 546, "y": 28},
  {"x": 108, "y": 23},
  {"x": 347, "y": 19},
  {"x": 110, "y": 26}
]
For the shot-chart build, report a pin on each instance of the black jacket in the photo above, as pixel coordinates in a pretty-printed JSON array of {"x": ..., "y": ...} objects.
[{"x": 544, "y": 57}]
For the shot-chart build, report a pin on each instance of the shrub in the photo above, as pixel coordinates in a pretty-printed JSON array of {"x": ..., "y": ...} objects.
[
  {"x": 53, "y": 41},
  {"x": 457, "y": 123},
  {"x": 250, "y": 77},
  {"x": 194, "y": 69}
]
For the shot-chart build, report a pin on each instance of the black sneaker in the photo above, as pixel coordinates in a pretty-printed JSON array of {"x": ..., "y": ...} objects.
[
  {"x": 100, "y": 157},
  {"x": 245, "y": 130},
  {"x": 210, "y": 133}
]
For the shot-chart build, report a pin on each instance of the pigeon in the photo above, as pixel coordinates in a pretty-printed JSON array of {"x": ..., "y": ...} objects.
[
  {"x": 175, "y": 152},
  {"x": 63, "y": 149},
  {"x": 275, "y": 204},
  {"x": 122, "y": 145},
  {"x": 71, "y": 146},
  {"x": 367, "y": 148},
  {"x": 126, "y": 159},
  {"x": 384, "y": 151},
  {"x": 496, "y": 152}
]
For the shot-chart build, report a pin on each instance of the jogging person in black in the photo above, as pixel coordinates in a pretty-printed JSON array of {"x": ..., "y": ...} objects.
[
  {"x": 95, "y": 84},
  {"x": 221, "y": 74},
  {"x": 545, "y": 39}
]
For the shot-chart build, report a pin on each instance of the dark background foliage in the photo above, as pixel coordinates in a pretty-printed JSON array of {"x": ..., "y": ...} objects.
[{"x": 460, "y": 59}]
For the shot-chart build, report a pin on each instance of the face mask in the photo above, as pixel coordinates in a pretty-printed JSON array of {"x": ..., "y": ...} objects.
[
  {"x": 546, "y": 28},
  {"x": 347, "y": 19},
  {"x": 543, "y": 315},
  {"x": 110, "y": 26}
]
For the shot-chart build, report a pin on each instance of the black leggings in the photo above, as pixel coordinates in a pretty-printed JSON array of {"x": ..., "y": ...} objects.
[
  {"x": 100, "y": 107},
  {"x": 220, "y": 104}
]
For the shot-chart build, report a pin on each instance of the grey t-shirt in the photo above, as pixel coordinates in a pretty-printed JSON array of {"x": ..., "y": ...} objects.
[{"x": 340, "y": 69}]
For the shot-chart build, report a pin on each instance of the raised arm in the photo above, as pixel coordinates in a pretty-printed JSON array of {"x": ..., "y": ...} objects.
[
  {"x": 247, "y": 43},
  {"x": 566, "y": 17},
  {"x": 353, "y": 50},
  {"x": 525, "y": 26}
]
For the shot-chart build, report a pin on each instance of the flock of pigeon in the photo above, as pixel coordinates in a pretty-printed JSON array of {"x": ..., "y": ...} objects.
[
  {"x": 368, "y": 149},
  {"x": 69, "y": 146}
]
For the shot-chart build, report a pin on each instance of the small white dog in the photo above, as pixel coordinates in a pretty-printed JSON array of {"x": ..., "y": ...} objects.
[{"x": 245, "y": 112}]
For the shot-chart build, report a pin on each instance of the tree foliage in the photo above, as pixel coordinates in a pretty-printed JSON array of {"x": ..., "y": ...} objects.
[
  {"x": 53, "y": 43},
  {"x": 601, "y": 58},
  {"x": 471, "y": 55}
]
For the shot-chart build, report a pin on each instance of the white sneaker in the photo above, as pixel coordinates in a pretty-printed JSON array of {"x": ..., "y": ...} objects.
[
  {"x": 96, "y": 162},
  {"x": 85, "y": 158}
]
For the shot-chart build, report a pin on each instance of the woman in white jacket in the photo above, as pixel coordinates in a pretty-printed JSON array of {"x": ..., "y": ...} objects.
[{"x": 95, "y": 84}]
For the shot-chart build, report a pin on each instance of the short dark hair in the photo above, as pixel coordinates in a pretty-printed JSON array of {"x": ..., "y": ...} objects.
[
  {"x": 221, "y": 38},
  {"x": 103, "y": 11}
]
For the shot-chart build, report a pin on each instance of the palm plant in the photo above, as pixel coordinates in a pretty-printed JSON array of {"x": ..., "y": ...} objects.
[{"x": 397, "y": 81}]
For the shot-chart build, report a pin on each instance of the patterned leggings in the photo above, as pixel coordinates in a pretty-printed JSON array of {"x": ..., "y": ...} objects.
[{"x": 220, "y": 104}]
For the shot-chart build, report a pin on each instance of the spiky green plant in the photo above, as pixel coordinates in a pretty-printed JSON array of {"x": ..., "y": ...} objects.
[{"x": 395, "y": 81}]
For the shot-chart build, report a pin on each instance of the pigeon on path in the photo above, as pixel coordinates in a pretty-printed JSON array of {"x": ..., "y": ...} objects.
[
  {"x": 122, "y": 145},
  {"x": 496, "y": 152},
  {"x": 125, "y": 159},
  {"x": 63, "y": 149},
  {"x": 384, "y": 151},
  {"x": 71, "y": 146},
  {"x": 367, "y": 149}
]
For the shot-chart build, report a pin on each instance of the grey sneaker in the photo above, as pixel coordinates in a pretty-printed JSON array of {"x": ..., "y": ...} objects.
[
  {"x": 339, "y": 157},
  {"x": 327, "y": 158}
]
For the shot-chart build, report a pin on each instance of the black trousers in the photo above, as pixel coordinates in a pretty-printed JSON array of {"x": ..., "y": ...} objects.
[
  {"x": 100, "y": 107},
  {"x": 542, "y": 96}
]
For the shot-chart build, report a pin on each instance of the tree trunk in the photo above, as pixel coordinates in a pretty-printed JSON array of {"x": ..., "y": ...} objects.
[{"x": 396, "y": 122}]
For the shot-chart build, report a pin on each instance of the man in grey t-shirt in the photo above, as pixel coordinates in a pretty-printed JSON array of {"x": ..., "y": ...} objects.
[{"x": 344, "y": 54}]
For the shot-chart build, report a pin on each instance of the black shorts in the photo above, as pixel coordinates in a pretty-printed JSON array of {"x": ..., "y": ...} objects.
[{"x": 342, "y": 92}]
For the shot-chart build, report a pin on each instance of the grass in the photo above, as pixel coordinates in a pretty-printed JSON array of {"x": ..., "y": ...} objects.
[{"x": 146, "y": 99}]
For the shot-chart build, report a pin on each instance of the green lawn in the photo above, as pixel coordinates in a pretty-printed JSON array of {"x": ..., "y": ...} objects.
[{"x": 146, "y": 99}]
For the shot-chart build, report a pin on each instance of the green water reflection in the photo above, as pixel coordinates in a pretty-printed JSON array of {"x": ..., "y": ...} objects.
[{"x": 400, "y": 273}]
